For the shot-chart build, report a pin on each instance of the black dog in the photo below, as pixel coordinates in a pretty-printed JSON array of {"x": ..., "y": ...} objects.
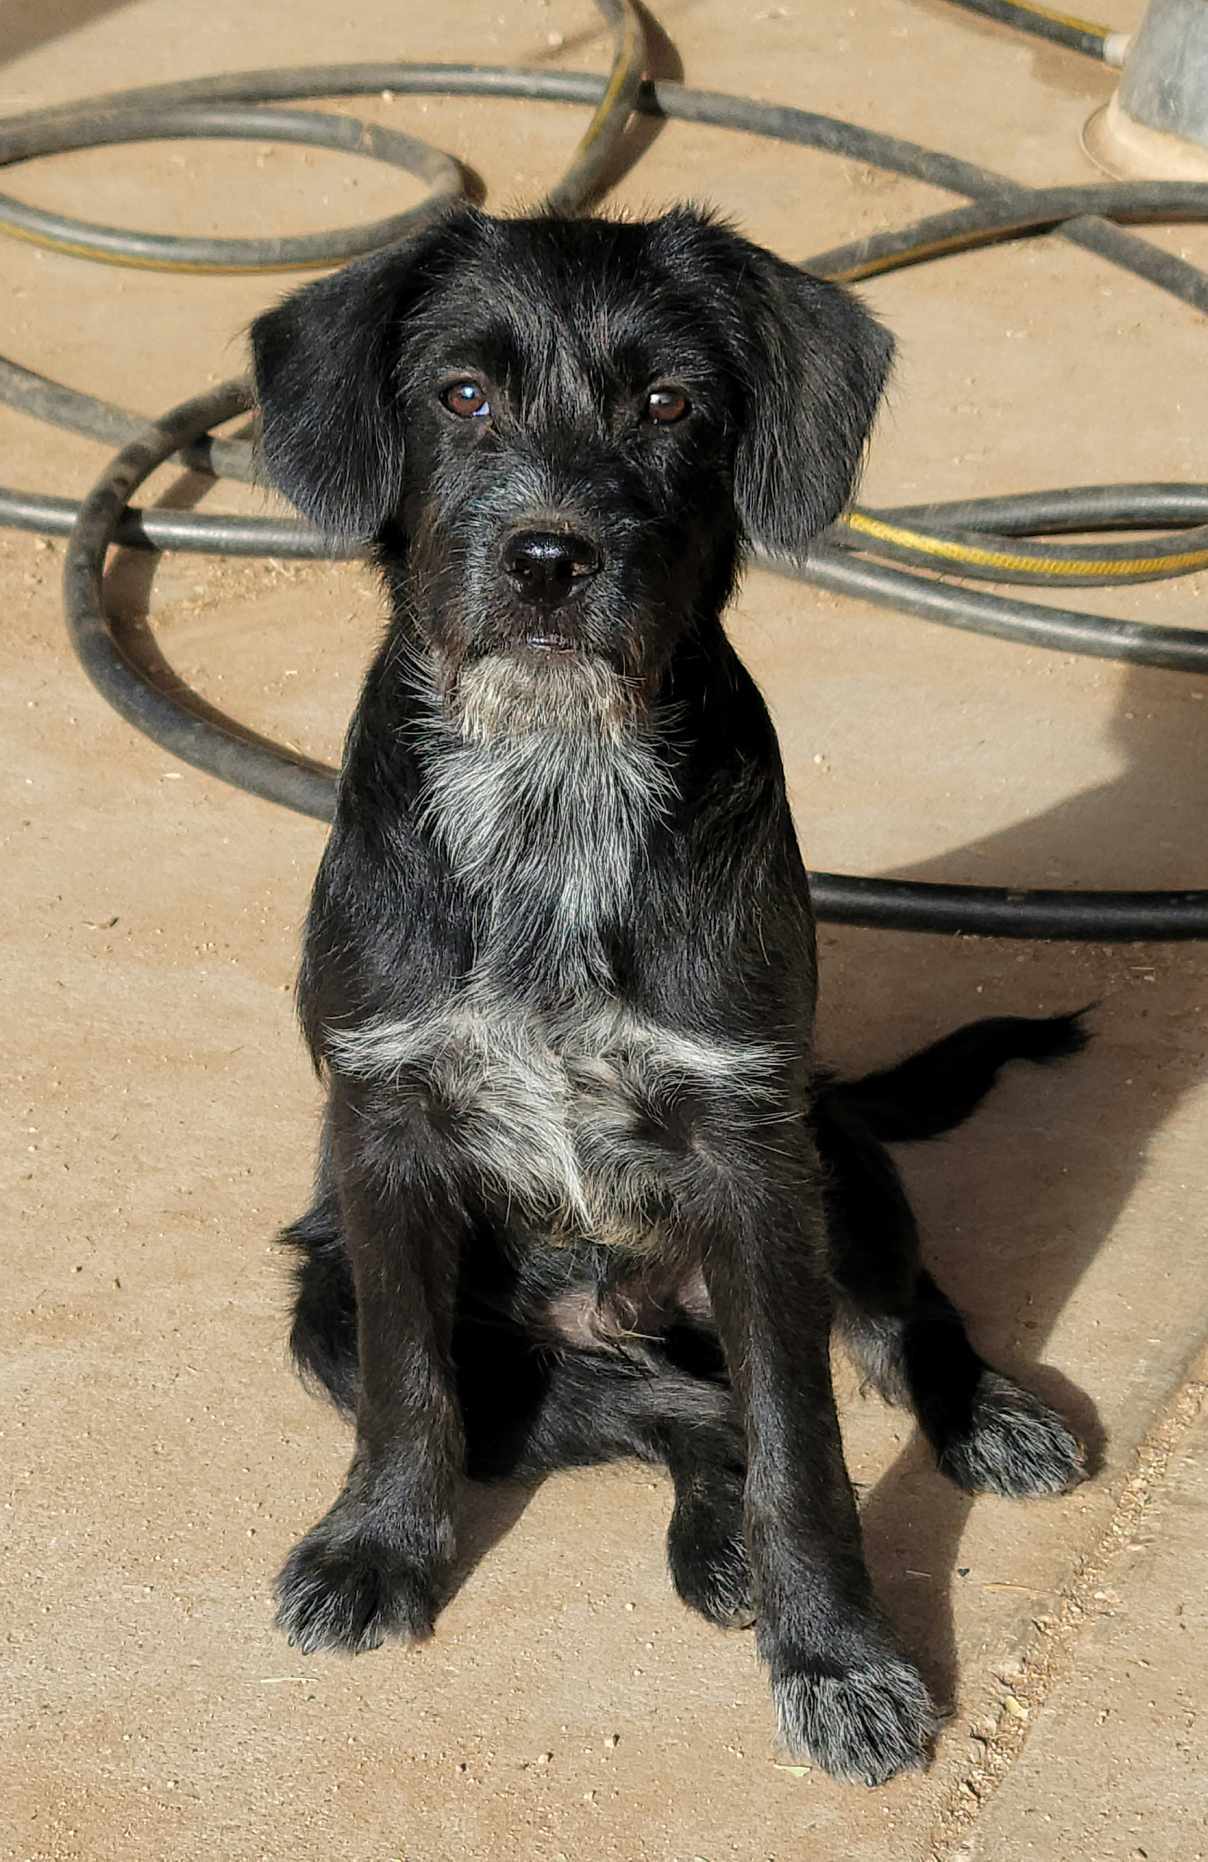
[{"x": 582, "y": 1191}]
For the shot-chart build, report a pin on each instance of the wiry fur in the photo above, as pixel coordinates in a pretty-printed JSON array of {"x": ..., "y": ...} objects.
[
  {"x": 580, "y": 1121},
  {"x": 862, "y": 1724},
  {"x": 525, "y": 698},
  {"x": 583, "y": 1191},
  {"x": 542, "y": 803}
]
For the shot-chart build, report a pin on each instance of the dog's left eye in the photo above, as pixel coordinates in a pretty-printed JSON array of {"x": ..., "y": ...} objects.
[
  {"x": 665, "y": 405},
  {"x": 468, "y": 398}
]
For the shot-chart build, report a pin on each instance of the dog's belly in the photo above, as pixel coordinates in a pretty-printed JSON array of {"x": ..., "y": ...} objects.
[{"x": 585, "y": 1125}]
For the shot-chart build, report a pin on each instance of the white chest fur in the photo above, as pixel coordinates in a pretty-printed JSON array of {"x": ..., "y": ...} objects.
[
  {"x": 542, "y": 799},
  {"x": 544, "y": 782},
  {"x": 579, "y": 1124}
]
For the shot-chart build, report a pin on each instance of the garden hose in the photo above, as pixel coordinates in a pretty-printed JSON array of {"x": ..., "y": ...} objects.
[
  {"x": 91, "y": 128},
  {"x": 1077, "y": 35},
  {"x": 977, "y": 538},
  {"x": 186, "y": 728},
  {"x": 210, "y": 742}
]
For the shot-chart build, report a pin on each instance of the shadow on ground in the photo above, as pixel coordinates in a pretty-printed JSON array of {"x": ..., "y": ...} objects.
[{"x": 1024, "y": 1249}]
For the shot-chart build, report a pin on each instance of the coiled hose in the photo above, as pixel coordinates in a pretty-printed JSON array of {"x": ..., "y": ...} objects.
[{"x": 975, "y": 538}]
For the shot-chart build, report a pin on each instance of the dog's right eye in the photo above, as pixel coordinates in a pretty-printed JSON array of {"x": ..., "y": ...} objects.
[
  {"x": 666, "y": 405},
  {"x": 467, "y": 398}
]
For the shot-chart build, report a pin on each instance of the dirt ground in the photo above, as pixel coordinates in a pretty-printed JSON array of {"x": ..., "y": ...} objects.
[{"x": 159, "y": 1457}]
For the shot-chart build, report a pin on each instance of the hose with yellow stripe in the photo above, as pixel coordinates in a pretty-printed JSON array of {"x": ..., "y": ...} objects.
[
  {"x": 1077, "y": 35},
  {"x": 974, "y": 539},
  {"x": 984, "y": 556},
  {"x": 1090, "y": 215}
]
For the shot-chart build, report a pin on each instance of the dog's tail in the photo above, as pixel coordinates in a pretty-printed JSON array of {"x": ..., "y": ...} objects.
[{"x": 935, "y": 1090}]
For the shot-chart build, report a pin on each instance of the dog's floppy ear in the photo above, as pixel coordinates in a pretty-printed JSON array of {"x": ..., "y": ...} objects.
[
  {"x": 327, "y": 363},
  {"x": 817, "y": 365},
  {"x": 812, "y": 363}
]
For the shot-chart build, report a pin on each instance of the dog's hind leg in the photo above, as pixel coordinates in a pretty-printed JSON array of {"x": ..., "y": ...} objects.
[
  {"x": 580, "y": 1407},
  {"x": 531, "y": 1411},
  {"x": 323, "y": 1333},
  {"x": 989, "y": 1434}
]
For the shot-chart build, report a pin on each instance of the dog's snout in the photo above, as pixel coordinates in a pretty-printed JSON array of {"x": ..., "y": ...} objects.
[{"x": 545, "y": 565}]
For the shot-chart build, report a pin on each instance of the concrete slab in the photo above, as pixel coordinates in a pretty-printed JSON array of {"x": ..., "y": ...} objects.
[
  {"x": 159, "y": 1117},
  {"x": 1113, "y": 1768}
]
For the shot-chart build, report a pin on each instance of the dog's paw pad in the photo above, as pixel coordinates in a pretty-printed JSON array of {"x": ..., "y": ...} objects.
[
  {"x": 1013, "y": 1444},
  {"x": 710, "y": 1568},
  {"x": 863, "y": 1724},
  {"x": 340, "y": 1591}
]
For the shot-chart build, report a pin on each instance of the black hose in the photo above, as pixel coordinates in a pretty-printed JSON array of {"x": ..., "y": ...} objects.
[
  {"x": 1012, "y": 214},
  {"x": 169, "y": 530},
  {"x": 600, "y": 144},
  {"x": 60, "y": 406},
  {"x": 1000, "y": 208},
  {"x": 992, "y": 556},
  {"x": 175, "y": 718},
  {"x": 1079, "y": 507},
  {"x": 1003, "y": 209},
  {"x": 1064, "y": 630},
  {"x": 87, "y": 128},
  {"x": 1077, "y": 35},
  {"x": 182, "y": 722},
  {"x": 995, "y": 911}
]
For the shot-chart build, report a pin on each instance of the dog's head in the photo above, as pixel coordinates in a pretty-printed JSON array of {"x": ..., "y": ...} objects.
[{"x": 559, "y": 434}]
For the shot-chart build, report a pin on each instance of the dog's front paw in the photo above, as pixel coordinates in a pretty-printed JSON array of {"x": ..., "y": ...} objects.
[
  {"x": 863, "y": 1723},
  {"x": 1012, "y": 1444},
  {"x": 707, "y": 1554},
  {"x": 342, "y": 1587}
]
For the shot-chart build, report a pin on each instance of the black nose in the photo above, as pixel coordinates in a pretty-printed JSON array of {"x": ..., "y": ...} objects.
[{"x": 545, "y": 565}]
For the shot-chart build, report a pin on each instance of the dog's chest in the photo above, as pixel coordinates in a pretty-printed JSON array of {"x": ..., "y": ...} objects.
[
  {"x": 546, "y": 833},
  {"x": 580, "y": 1121},
  {"x": 583, "y": 1125}
]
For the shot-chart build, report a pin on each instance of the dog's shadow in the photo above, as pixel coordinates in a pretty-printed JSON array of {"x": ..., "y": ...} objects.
[
  {"x": 489, "y": 1509},
  {"x": 1014, "y": 1208}
]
